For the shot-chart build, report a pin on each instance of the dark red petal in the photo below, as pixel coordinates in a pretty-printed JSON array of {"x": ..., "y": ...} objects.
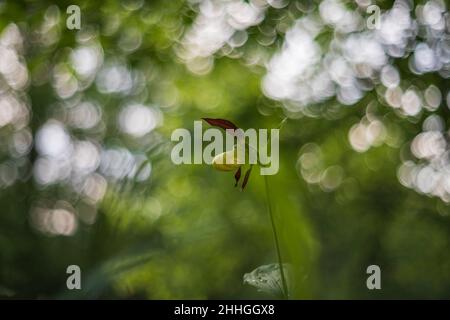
[
  {"x": 237, "y": 176},
  {"x": 247, "y": 175},
  {"x": 222, "y": 123}
]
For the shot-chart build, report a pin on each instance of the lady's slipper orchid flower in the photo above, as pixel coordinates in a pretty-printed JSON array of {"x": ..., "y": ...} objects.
[{"x": 228, "y": 161}]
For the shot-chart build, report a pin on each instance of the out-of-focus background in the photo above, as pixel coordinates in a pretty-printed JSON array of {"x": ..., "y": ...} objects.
[{"x": 86, "y": 118}]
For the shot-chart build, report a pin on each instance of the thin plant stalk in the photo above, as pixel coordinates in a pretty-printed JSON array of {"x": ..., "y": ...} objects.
[{"x": 275, "y": 235}]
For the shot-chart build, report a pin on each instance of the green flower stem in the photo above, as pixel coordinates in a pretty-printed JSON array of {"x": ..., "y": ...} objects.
[{"x": 275, "y": 235}]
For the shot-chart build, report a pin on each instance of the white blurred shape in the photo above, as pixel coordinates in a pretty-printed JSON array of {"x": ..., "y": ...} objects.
[
  {"x": 411, "y": 103},
  {"x": 52, "y": 139},
  {"x": 58, "y": 221},
  {"x": 85, "y": 157},
  {"x": 84, "y": 115},
  {"x": 333, "y": 12},
  {"x": 13, "y": 111},
  {"x": 448, "y": 99},
  {"x": 406, "y": 174},
  {"x": 21, "y": 142},
  {"x": 116, "y": 163},
  {"x": 142, "y": 168},
  {"x": 86, "y": 60},
  {"x": 394, "y": 96},
  {"x": 331, "y": 178},
  {"x": 95, "y": 188},
  {"x": 243, "y": 15},
  {"x": 63, "y": 222},
  {"x": 433, "y": 97},
  {"x": 390, "y": 77},
  {"x": 358, "y": 138},
  {"x": 8, "y": 174},
  {"x": 424, "y": 58},
  {"x": 426, "y": 179},
  {"x": 363, "y": 48},
  {"x": 433, "y": 11},
  {"x": 48, "y": 170},
  {"x": 64, "y": 82},
  {"x": 395, "y": 26},
  {"x": 429, "y": 144},
  {"x": 433, "y": 123},
  {"x": 114, "y": 78},
  {"x": 138, "y": 120}
]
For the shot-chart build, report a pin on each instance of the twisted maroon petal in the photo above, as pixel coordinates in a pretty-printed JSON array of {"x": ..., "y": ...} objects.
[
  {"x": 237, "y": 176},
  {"x": 221, "y": 123}
]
